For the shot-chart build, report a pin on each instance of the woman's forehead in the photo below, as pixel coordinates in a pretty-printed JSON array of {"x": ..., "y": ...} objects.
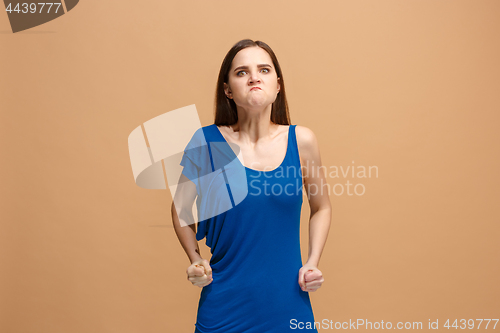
[{"x": 250, "y": 56}]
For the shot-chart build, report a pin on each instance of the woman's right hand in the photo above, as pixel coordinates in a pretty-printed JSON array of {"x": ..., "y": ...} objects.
[{"x": 200, "y": 273}]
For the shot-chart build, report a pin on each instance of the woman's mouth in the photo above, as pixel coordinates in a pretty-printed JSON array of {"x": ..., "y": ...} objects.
[{"x": 255, "y": 88}]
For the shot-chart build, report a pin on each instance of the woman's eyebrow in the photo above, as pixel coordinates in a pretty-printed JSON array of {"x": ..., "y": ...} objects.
[{"x": 246, "y": 67}]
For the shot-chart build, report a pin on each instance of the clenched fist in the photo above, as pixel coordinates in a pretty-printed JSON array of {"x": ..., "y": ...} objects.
[
  {"x": 310, "y": 278},
  {"x": 200, "y": 273}
]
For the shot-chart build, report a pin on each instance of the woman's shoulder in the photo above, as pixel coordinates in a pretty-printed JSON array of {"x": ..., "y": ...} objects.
[
  {"x": 305, "y": 137},
  {"x": 307, "y": 144}
]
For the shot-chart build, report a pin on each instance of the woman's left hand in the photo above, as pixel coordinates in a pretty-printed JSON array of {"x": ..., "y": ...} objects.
[{"x": 310, "y": 278}]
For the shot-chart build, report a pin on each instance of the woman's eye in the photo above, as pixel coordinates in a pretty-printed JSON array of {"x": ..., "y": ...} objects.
[{"x": 264, "y": 69}]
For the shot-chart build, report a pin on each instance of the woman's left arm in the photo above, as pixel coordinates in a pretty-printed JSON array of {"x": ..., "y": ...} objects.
[{"x": 310, "y": 277}]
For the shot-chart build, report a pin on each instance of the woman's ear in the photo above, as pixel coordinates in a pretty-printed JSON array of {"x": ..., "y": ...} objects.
[
  {"x": 227, "y": 91},
  {"x": 279, "y": 85}
]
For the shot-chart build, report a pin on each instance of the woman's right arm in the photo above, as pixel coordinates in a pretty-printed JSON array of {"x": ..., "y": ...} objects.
[
  {"x": 182, "y": 206},
  {"x": 199, "y": 273}
]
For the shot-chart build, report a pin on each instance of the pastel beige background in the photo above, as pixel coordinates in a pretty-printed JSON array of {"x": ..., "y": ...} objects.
[{"x": 411, "y": 87}]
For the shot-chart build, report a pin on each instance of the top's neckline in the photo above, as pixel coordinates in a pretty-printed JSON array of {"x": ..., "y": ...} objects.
[{"x": 278, "y": 167}]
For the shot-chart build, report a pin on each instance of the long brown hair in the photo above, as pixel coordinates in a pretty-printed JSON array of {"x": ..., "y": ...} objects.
[{"x": 225, "y": 108}]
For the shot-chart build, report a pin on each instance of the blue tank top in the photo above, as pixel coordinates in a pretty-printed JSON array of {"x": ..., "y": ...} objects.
[{"x": 255, "y": 245}]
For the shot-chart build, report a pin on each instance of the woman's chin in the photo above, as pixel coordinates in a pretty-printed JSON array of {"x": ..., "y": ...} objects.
[
  {"x": 258, "y": 103},
  {"x": 255, "y": 104}
]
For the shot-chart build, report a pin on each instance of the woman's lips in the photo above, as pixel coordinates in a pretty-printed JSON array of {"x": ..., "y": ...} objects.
[{"x": 255, "y": 88}]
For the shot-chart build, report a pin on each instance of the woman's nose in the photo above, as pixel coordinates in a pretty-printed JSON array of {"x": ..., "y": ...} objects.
[{"x": 254, "y": 77}]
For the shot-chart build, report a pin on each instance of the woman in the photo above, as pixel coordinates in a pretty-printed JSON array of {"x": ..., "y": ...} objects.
[{"x": 255, "y": 281}]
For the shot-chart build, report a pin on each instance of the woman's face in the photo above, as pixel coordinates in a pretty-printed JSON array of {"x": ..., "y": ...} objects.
[{"x": 252, "y": 80}]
